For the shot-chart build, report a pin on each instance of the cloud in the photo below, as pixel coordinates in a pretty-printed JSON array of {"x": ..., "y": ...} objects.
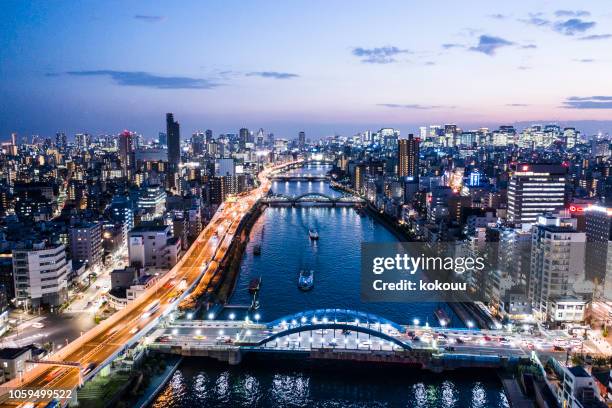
[
  {"x": 596, "y": 37},
  {"x": 588, "y": 102},
  {"x": 498, "y": 16},
  {"x": 450, "y": 46},
  {"x": 149, "y": 18},
  {"x": 488, "y": 44},
  {"x": 413, "y": 106},
  {"x": 147, "y": 80},
  {"x": 529, "y": 46},
  {"x": 430, "y": 63},
  {"x": 535, "y": 19},
  {"x": 517, "y": 104},
  {"x": 584, "y": 60},
  {"x": 573, "y": 26},
  {"x": 572, "y": 13},
  {"x": 378, "y": 55},
  {"x": 273, "y": 74},
  {"x": 523, "y": 67},
  {"x": 590, "y": 98}
]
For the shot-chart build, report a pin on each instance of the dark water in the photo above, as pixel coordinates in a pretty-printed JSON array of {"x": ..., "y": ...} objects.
[
  {"x": 335, "y": 258},
  {"x": 203, "y": 383}
]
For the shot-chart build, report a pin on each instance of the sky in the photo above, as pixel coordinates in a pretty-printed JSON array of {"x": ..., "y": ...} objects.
[{"x": 324, "y": 67}]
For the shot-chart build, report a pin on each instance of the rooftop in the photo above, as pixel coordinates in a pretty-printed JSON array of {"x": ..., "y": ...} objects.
[{"x": 578, "y": 371}]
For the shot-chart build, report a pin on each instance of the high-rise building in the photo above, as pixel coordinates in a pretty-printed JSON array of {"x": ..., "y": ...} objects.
[
  {"x": 598, "y": 228},
  {"x": 557, "y": 263},
  {"x": 302, "y": 140},
  {"x": 208, "y": 136},
  {"x": 41, "y": 275},
  {"x": 225, "y": 167},
  {"x": 408, "y": 157},
  {"x": 535, "y": 189},
  {"x": 126, "y": 150},
  {"x": 197, "y": 143},
  {"x": 162, "y": 139},
  {"x": 86, "y": 243},
  {"x": 174, "y": 142}
]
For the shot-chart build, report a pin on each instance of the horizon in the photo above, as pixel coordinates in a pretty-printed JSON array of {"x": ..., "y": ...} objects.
[{"x": 309, "y": 66}]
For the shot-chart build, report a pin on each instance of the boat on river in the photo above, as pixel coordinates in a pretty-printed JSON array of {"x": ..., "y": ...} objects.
[{"x": 306, "y": 280}]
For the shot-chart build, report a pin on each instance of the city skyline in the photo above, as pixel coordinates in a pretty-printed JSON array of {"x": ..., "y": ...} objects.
[{"x": 315, "y": 67}]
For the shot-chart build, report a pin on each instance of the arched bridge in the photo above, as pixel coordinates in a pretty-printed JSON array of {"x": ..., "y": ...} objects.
[
  {"x": 344, "y": 320},
  {"x": 312, "y": 197}
]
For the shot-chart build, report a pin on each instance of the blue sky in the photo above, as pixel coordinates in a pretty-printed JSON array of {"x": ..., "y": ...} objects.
[{"x": 325, "y": 67}]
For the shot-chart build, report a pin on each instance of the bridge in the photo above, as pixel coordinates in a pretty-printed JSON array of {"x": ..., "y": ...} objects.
[
  {"x": 312, "y": 197},
  {"x": 301, "y": 177},
  {"x": 338, "y": 334}
]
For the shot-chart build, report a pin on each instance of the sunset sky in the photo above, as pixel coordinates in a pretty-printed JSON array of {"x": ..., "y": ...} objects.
[{"x": 319, "y": 66}]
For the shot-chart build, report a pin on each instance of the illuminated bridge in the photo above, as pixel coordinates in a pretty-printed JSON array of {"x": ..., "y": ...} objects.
[
  {"x": 331, "y": 334},
  {"x": 301, "y": 177},
  {"x": 312, "y": 197}
]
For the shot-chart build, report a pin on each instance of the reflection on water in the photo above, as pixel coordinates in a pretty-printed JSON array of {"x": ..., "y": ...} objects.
[{"x": 206, "y": 383}]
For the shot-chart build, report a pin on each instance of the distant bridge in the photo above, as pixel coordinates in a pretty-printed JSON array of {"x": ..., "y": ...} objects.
[
  {"x": 312, "y": 197},
  {"x": 301, "y": 177}
]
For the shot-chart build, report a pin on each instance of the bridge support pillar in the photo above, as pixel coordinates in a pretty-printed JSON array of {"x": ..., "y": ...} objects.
[{"x": 234, "y": 357}]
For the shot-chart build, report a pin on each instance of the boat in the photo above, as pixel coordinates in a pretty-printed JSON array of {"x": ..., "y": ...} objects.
[
  {"x": 254, "y": 285},
  {"x": 313, "y": 234},
  {"x": 306, "y": 280},
  {"x": 257, "y": 250},
  {"x": 442, "y": 317}
]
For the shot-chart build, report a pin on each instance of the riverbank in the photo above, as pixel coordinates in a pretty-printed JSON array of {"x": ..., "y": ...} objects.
[{"x": 158, "y": 382}]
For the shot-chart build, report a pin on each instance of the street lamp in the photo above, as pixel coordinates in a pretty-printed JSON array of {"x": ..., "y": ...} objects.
[
  {"x": 211, "y": 316},
  {"x": 416, "y": 322},
  {"x": 257, "y": 317},
  {"x": 470, "y": 324},
  {"x": 232, "y": 316}
]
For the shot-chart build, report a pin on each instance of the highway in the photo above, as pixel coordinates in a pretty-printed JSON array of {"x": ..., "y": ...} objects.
[{"x": 109, "y": 338}]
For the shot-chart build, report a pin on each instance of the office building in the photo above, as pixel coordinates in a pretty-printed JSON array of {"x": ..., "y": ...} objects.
[
  {"x": 41, "y": 275},
  {"x": 86, "y": 243},
  {"x": 535, "y": 189}
]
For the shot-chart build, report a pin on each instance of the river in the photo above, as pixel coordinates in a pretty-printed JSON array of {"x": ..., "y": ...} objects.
[{"x": 282, "y": 233}]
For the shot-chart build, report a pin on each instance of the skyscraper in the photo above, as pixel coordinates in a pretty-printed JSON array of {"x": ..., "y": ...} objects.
[
  {"x": 408, "y": 157},
  {"x": 301, "y": 140},
  {"x": 126, "y": 150},
  {"x": 174, "y": 142},
  {"x": 535, "y": 189}
]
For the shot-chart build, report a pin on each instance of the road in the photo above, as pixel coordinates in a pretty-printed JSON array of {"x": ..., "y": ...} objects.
[{"x": 210, "y": 245}]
